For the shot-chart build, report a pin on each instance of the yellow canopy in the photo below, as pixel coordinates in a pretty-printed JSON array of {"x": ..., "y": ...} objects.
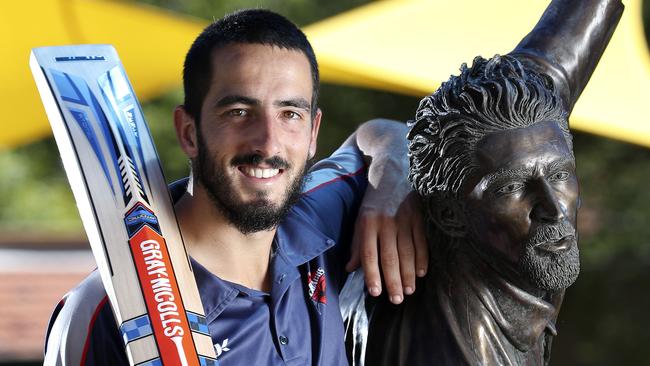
[
  {"x": 396, "y": 45},
  {"x": 412, "y": 46},
  {"x": 152, "y": 44}
]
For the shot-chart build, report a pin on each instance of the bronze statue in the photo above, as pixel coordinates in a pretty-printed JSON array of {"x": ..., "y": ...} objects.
[{"x": 491, "y": 156}]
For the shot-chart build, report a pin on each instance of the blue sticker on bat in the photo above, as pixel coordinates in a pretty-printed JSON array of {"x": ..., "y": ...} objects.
[
  {"x": 138, "y": 217},
  {"x": 68, "y": 91},
  {"x": 154, "y": 362},
  {"x": 79, "y": 58},
  {"x": 109, "y": 137},
  {"x": 136, "y": 328},
  {"x": 86, "y": 127},
  {"x": 198, "y": 323},
  {"x": 208, "y": 361},
  {"x": 74, "y": 90},
  {"x": 117, "y": 95}
]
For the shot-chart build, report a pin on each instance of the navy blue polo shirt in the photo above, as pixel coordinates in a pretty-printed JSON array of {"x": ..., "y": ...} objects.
[{"x": 297, "y": 323}]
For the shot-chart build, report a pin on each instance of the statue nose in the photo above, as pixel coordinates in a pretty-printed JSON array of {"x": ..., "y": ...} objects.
[{"x": 548, "y": 206}]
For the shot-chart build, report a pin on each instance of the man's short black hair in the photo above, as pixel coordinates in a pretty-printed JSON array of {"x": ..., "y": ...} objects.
[{"x": 250, "y": 26}]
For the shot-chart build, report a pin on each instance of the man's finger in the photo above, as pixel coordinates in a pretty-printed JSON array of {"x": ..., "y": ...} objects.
[
  {"x": 367, "y": 229},
  {"x": 389, "y": 261},
  {"x": 406, "y": 250}
]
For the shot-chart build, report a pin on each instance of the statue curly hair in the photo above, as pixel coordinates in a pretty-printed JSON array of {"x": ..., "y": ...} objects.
[{"x": 493, "y": 95}]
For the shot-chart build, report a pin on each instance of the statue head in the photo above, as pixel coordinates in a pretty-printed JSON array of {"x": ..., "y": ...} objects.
[{"x": 491, "y": 155}]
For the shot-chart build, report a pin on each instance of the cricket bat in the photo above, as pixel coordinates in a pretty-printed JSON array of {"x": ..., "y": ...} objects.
[{"x": 118, "y": 184}]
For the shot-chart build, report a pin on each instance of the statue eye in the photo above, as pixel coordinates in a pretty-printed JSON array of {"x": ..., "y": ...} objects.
[
  {"x": 559, "y": 176},
  {"x": 511, "y": 188}
]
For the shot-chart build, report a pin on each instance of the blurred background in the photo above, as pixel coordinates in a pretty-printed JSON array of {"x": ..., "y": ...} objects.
[{"x": 372, "y": 56}]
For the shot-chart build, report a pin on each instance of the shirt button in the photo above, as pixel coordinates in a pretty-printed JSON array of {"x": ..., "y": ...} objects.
[{"x": 284, "y": 340}]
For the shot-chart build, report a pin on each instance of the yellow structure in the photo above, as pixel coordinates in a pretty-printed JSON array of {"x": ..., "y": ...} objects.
[
  {"x": 406, "y": 46},
  {"x": 412, "y": 46},
  {"x": 151, "y": 43}
]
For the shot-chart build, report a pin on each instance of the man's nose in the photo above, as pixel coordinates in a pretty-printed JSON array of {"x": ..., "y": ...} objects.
[
  {"x": 265, "y": 135},
  {"x": 548, "y": 206}
]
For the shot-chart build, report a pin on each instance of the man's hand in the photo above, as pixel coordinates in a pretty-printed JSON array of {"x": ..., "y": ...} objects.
[
  {"x": 389, "y": 228},
  {"x": 397, "y": 241}
]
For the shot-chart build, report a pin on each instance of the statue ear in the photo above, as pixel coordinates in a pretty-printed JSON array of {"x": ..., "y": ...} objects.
[{"x": 448, "y": 216}]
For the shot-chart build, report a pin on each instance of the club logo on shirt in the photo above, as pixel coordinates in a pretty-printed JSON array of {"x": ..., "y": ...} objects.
[
  {"x": 221, "y": 348},
  {"x": 316, "y": 285}
]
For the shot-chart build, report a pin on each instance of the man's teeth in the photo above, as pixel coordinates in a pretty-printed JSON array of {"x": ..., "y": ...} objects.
[{"x": 261, "y": 173}]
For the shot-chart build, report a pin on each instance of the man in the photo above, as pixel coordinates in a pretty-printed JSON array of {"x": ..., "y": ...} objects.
[
  {"x": 268, "y": 259},
  {"x": 491, "y": 156}
]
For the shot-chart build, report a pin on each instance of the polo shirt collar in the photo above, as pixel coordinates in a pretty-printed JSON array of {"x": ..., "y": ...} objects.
[
  {"x": 214, "y": 292},
  {"x": 297, "y": 241}
]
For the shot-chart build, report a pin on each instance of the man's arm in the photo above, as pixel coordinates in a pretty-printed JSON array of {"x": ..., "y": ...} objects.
[
  {"x": 83, "y": 330},
  {"x": 389, "y": 229}
]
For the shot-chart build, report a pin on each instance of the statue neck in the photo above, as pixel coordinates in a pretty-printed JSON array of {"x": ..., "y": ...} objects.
[{"x": 505, "y": 315}]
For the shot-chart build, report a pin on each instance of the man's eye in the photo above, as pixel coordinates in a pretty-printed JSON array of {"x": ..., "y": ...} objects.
[
  {"x": 559, "y": 176},
  {"x": 511, "y": 188},
  {"x": 291, "y": 115},
  {"x": 237, "y": 113}
]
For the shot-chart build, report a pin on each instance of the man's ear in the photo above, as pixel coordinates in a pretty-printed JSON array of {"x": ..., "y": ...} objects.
[
  {"x": 448, "y": 216},
  {"x": 186, "y": 132},
  {"x": 315, "y": 126}
]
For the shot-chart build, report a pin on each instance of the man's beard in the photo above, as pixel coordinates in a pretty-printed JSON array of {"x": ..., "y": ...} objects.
[
  {"x": 550, "y": 271},
  {"x": 255, "y": 216}
]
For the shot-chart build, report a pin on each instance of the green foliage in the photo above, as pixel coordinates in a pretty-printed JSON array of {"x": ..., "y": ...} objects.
[
  {"x": 613, "y": 178},
  {"x": 159, "y": 115},
  {"x": 34, "y": 191}
]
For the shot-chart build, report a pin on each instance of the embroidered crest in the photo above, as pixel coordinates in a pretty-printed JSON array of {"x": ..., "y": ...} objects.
[
  {"x": 316, "y": 285},
  {"x": 220, "y": 348}
]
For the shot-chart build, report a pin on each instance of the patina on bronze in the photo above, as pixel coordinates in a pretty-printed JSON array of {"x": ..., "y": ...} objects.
[{"x": 492, "y": 158}]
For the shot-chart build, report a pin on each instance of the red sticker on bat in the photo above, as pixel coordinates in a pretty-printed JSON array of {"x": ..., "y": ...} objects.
[{"x": 163, "y": 298}]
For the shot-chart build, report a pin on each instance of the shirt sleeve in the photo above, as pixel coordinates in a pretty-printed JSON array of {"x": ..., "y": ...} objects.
[
  {"x": 331, "y": 200},
  {"x": 334, "y": 189},
  {"x": 83, "y": 330}
]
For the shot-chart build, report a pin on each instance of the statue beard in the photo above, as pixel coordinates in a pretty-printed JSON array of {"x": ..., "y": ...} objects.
[
  {"x": 550, "y": 271},
  {"x": 252, "y": 217}
]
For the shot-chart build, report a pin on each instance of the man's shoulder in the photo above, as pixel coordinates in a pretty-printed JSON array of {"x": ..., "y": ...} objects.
[
  {"x": 334, "y": 188},
  {"x": 80, "y": 315},
  {"x": 89, "y": 293},
  {"x": 345, "y": 163},
  {"x": 81, "y": 304}
]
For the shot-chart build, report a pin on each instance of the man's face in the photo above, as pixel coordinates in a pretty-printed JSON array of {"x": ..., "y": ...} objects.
[
  {"x": 522, "y": 204},
  {"x": 256, "y": 133}
]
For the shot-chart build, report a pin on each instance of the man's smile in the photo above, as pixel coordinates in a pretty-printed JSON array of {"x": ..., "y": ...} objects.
[{"x": 259, "y": 172}]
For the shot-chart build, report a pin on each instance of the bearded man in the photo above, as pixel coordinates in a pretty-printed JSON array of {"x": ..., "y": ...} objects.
[{"x": 268, "y": 243}]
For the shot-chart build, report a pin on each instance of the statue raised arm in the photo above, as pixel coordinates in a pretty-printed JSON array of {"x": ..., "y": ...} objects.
[{"x": 568, "y": 41}]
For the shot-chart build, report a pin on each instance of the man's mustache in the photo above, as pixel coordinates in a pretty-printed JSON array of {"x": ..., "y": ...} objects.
[
  {"x": 551, "y": 233},
  {"x": 274, "y": 162}
]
